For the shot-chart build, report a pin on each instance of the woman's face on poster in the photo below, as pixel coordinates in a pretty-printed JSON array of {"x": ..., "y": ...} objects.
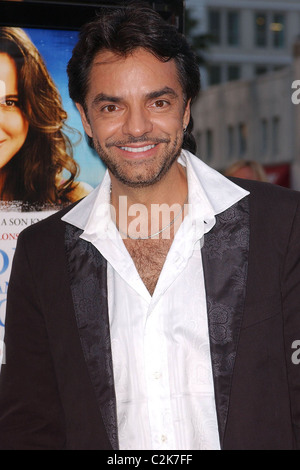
[{"x": 13, "y": 124}]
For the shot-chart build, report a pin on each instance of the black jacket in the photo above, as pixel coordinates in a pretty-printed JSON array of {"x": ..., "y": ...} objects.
[{"x": 57, "y": 388}]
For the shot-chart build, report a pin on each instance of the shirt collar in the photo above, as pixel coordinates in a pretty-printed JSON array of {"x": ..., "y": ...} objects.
[
  {"x": 212, "y": 196},
  {"x": 85, "y": 210},
  {"x": 221, "y": 193}
]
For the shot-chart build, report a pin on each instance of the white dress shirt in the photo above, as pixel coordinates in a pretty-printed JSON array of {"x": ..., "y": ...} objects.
[{"x": 160, "y": 343}]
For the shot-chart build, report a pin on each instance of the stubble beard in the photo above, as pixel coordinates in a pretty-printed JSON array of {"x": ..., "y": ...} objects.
[{"x": 151, "y": 172}]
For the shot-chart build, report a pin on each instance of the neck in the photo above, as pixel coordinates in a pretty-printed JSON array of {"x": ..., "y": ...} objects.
[
  {"x": 142, "y": 212},
  {"x": 172, "y": 188}
]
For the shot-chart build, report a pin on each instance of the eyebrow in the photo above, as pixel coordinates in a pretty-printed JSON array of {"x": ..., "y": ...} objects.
[
  {"x": 7, "y": 97},
  {"x": 164, "y": 91},
  {"x": 102, "y": 97}
]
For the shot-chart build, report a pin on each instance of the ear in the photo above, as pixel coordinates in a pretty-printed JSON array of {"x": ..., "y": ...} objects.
[
  {"x": 84, "y": 119},
  {"x": 187, "y": 114}
]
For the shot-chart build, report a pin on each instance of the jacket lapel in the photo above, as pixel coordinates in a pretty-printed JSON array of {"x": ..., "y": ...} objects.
[
  {"x": 225, "y": 264},
  {"x": 87, "y": 271}
]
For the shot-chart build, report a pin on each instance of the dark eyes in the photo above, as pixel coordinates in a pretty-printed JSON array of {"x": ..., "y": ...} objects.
[
  {"x": 12, "y": 103},
  {"x": 160, "y": 103},
  {"x": 9, "y": 103},
  {"x": 110, "y": 108}
]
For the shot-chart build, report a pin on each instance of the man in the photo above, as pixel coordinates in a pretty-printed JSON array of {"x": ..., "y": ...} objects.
[{"x": 127, "y": 329}]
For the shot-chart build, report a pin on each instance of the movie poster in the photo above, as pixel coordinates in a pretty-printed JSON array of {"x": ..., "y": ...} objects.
[{"x": 45, "y": 161}]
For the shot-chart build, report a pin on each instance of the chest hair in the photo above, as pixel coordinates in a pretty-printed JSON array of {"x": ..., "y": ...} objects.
[{"x": 149, "y": 257}]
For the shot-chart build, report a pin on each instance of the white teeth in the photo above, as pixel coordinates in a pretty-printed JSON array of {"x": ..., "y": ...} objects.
[{"x": 138, "y": 150}]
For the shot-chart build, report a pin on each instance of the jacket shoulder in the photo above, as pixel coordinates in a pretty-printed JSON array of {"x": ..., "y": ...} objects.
[
  {"x": 50, "y": 227},
  {"x": 266, "y": 190},
  {"x": 268, "y": 195},
  {"x": 271, "y": 206}
]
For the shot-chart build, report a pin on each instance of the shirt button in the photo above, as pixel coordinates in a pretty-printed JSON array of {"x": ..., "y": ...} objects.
[
  {"x": 157, "y": 375},
  {"x": 164, "y": 438}
]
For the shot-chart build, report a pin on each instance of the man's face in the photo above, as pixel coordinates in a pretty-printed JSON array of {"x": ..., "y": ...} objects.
[{"x": 135, "y": 114}]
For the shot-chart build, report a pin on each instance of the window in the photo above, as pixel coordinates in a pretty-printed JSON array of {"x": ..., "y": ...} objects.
[
  {"x": 242, "y": 140},
  {"x": 261, "y": 70},
  {"x": 233, "y": 72},
  {"x": 278, "y": 30},
  {"x": 215, "y": 26},
  {"x": 270, "y": 30},
  {"x": 233, "y": 33},
  {"x": 275, "y": 135},
  {"x": 261, "y": 30},
  {"x": 215, "y": 74}
]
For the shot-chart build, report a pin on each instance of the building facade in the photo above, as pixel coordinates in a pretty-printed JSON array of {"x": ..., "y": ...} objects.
[
  {"x": 256, "y": 119},
  {"x": 245, "y": 110},
  {"x": 247, "y": 37}
]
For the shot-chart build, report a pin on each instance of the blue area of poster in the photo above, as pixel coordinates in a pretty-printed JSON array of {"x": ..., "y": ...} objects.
[{"x": 56, "y": 47}]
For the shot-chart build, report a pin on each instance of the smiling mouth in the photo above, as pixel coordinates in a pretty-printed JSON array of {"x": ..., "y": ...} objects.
[{"x": 138, "y": 149}]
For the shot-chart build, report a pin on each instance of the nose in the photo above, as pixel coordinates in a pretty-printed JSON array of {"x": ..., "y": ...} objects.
[
  {"x": 4, "y": 119},
  {"x": 137, "y": 122}
]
